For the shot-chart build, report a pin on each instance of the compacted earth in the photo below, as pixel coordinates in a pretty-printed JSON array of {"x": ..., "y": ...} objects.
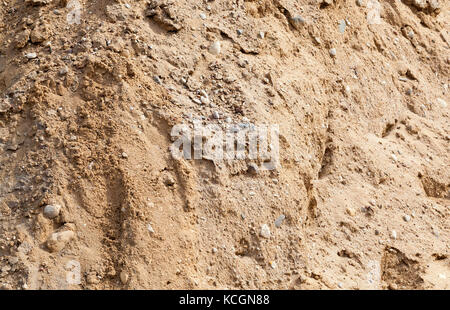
[{"x": 91, "y": 196}]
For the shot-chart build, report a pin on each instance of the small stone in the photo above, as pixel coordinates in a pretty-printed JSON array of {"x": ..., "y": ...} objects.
[
  {"x": 411, "y": 34},
  {"x": 406, "y": 218},
  {"x": 150, "y": 228},
  {"x": 63, "y": 71},
  {"x": 204, "y": 100},
  {"x": 124, "y": 277},
  {"x": 342, "y": 26},
  {"x": 124, "y": 155},
  {"x": 409, "y": 92},
  {"x": 253, "y": 168},
  {"x": 350, "y": 211},
  {"x": 265, "y": 231},
  {"x": 92, "y": 279},
  {"x": 215, "y": 48},
  {"x": 332, "y": 52},
  {"x": 442, "y": 102},
  {"x": 261, "y": 34},
  {"x": 273, "y": 264},
  {"x": 31, "y": 55},
  {"x": 239, "y": 32},
  {"x": 279, "y": 220},
  {"x": 216, "y": 115},
  {"x": 360, "y": 3},
  {"x": 169, "y": 180},
  {"x": 52, "y": 211},
  {"x": 127, "y": 5},
  {"x": 297, "y": 22},
  {"x": 214, "y": 250},
  {"x": 393, "y": 234},
  {"x": 202, "y": 16},
  {"x": 157, "y": 79},
  {"x": 58, "y": 240}
]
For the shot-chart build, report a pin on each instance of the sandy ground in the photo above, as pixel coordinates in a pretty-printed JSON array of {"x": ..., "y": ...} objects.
[{"x": 89, "y": 94}]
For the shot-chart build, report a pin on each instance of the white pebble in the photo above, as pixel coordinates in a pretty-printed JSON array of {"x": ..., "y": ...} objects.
[
  {"x": 265, "y": 231},
  {"x": 332, "y": 52},
  {"x": 215, "y": 48},
  {"x": 52, "y": 211},
  {"x": 393, "y": 234},
  {"x": 31, "y": 55},
  {"x": 442, "y": 102}
]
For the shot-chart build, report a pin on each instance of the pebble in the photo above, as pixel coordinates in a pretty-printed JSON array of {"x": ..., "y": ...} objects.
[
  {"x": 350, "y": 211},
  {"x": 239, "y": 32},
  {"x": 124, "y": 277},
  {"x": 216, "y": 115},
  {"x": 204, "y": 100},
  {"x": 253, "y": 168},
  {"x": 157, "y": 79},
  {"x": 214, "y": 250},
  {"x": 58, "y": 240},
  {"x": 215, "y": 48},
  {"x": 31, "y": 55},
  {"x": 262, "y": 34},
  {"x": 297, "y": 21},
  {"x": 407, "y": 218},
  {"x": 332, "y": 52},
  {"x": 63, "y": 71},
  {"x": 202, "y": 16},
  {"x": 124, "y": 155},
  {"x": 360, "y": 3},
  {"x": 442, "y": 102},
  {"x": 92, "y": 279},
  {"x": 279, "y": 220},
  {"x": 342, "y": 26},
  {"x": 51, "y": 211},
  {"x": 150, "y": 228},
  {"x": 265, "y": 231},
  {"x": 393, "y": 234}
]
